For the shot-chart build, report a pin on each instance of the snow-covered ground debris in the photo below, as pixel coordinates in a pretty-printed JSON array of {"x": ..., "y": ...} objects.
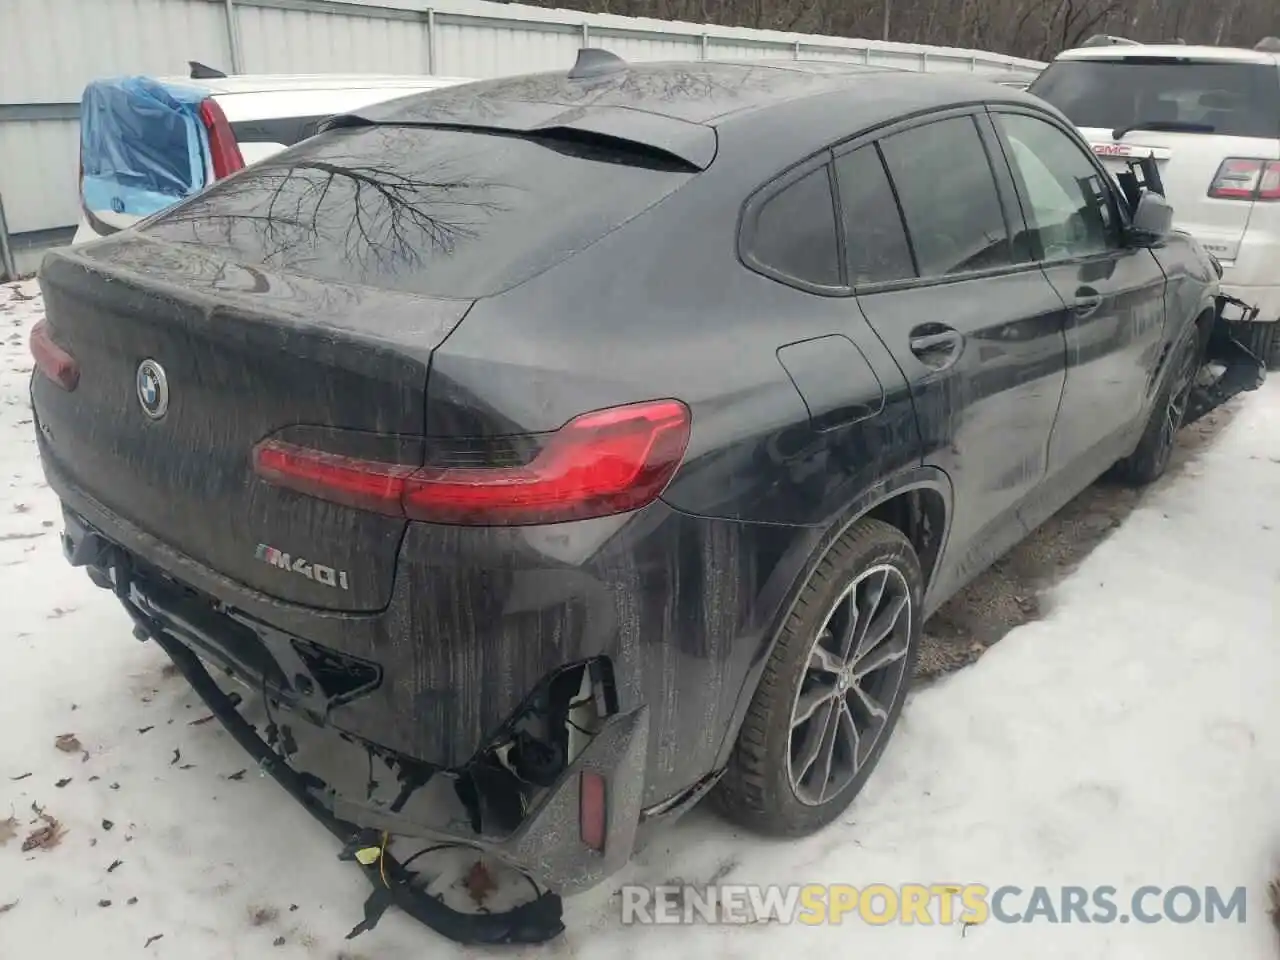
[{"x": 1130, "y": 737}]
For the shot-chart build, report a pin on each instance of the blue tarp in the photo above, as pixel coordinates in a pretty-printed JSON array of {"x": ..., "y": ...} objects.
[{"x": 142, "y": 145}]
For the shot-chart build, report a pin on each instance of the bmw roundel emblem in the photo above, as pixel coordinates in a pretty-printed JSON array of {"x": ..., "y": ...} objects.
[{"x": 153, "y": 389}]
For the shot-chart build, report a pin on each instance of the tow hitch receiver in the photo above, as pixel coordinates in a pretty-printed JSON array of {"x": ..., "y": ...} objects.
[{"x": 1230, "y": 368}]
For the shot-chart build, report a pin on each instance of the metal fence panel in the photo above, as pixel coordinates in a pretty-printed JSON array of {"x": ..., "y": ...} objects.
[
  {"x": 49, "y": 49},
  {"x": 492, "y": 49},
  {"x": 301, "y": 41},
  {"x": 38, "y": 171}
]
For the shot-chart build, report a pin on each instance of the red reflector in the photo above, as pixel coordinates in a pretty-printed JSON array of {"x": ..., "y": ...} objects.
[
  {"x": 51, "y": 360},
  {"x": 1269, "y": 184},
  {"x": 599, "y": 464},
  {"x": 223, "y": 148},
  {"x": 363, "y": 484},
  {"x": 592, "y": 815}
]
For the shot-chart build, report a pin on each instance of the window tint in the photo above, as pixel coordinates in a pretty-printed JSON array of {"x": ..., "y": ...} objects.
[
  {"x": 1070, "y": 213},
  {"x": 1227, "y": 99},
  {"x": 439, "y": 212},
  {"x": 283, "y": 130},
  {"x": 795, "y": 231},
  {"x": 948, "y": 195},
  {"x": 874, "y": 238}
]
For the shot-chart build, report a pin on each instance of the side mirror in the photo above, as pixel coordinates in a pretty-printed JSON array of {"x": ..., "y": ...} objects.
[{"x": 1152, "y": 220}]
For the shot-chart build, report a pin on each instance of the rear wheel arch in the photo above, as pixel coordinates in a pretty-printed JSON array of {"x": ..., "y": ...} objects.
[{"x": 917, "y": 502}]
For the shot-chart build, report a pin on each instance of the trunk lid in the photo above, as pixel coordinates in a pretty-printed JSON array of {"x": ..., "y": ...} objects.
[{"x": 245, "y": 353}]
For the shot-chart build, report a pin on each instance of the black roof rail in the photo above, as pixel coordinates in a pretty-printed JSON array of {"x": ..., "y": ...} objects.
[
  {"x": 1106, "y": 40},
  {"x": 200, "y": 72},
  {"x": 1268, "y": 45},
  {"x": 596, "y": 62}
]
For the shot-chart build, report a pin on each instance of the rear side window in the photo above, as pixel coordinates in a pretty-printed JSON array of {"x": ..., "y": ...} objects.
[
  {"x": 875, "y": 240},
  {"x": 1227, "y": 99},
  {"x": 794, "y": 234},
  {"x": 438, "y": 212},
  {"x": 948, "y": 196}
]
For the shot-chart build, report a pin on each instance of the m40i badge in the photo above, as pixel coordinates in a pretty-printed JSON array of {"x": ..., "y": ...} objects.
[{"x": 318, "y": 572}]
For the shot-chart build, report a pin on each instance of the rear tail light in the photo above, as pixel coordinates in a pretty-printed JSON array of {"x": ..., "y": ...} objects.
[
  {"x": 1244, "y": 178},
  {"x": 592, "y": 813},
  {"x": 51, "y": 360},
  {"x": 223, "y": 147},
  {"x": 602, "y": 463}
]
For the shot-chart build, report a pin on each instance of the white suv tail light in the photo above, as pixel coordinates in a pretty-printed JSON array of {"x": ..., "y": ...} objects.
[{"x": 1244, "y": 178}]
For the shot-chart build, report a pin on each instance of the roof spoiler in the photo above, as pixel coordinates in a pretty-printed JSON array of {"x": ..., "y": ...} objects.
[
  {"x": 1107, "y": 40},
  {"x": 468, "y": 108},
  {"x": 1268, "y": 45}
]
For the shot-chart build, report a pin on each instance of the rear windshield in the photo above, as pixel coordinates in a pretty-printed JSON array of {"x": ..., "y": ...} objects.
[
  {"x": 141, "y": 145},
  {"x": 1233, "y": 99},
  {"x": 440, "y": 212}
]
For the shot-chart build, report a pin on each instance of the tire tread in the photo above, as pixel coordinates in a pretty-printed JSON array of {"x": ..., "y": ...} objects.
[{"x": 742, "y": 794}]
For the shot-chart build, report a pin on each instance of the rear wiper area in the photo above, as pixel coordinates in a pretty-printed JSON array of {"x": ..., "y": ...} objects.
[{"x": 1168, "y": 126}]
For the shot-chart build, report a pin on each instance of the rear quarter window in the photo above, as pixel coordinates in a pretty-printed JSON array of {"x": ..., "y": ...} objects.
[
  {"x": 1227, "y": 99},
  {"x": 791, "y": 233},
  {"x": 437, "y": 212}
]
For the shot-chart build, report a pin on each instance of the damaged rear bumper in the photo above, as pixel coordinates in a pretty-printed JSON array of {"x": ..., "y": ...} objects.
[
  {"x": 566, "y": 834},
  {"x": 1240, "y": 369}
]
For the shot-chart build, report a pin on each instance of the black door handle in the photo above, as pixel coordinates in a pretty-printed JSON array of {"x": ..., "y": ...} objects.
[
  {"x": 1087, "y": 301},
  {"x": 935, "y": 345}
]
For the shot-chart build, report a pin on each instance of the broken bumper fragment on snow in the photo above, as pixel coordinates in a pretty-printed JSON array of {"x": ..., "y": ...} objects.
[{"x": 555, "y": 793}]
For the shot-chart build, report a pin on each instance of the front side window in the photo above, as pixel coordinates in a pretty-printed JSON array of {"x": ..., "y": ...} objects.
[
  {"x": 1069, "y": 206},
  {"x": 794, "y": 235},
  {"x": 948, "y": 195}
]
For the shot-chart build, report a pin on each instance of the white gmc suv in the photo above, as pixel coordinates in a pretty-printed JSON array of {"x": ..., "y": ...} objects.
[{"x": 1211, "y": 118}]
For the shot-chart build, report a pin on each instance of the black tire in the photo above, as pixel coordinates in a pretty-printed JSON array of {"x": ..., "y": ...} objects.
[
  {"x": 1150, "y": 458},
  {"x": 1263, "y": 343},
  {"x": 758, "y": 790}
]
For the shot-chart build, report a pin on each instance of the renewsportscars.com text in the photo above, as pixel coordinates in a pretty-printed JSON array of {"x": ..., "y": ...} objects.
[{"x": 928, "y": 904}]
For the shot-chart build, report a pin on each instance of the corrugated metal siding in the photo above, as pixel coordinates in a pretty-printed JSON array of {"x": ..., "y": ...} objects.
[
  {"x": 493, "y": 51},
  {"x": 38, "y": 170},
  {"x": 291, "y": 41},
  {"x": 49, "y": 49}
]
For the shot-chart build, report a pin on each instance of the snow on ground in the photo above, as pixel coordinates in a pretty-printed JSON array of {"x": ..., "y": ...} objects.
[{"x": 1131, "y": 737}]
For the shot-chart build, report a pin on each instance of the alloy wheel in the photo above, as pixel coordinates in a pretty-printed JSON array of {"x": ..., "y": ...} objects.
[{"x": 855, "y": 671}]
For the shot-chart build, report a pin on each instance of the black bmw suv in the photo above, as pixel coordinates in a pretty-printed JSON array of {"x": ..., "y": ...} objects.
[{"x": 552, "y": 451}]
